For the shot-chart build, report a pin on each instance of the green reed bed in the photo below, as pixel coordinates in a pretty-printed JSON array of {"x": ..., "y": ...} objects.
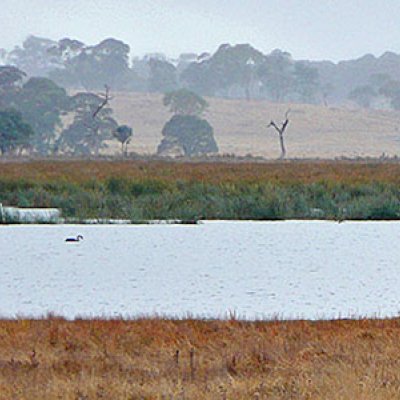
[{"x": 133, "y": 199}]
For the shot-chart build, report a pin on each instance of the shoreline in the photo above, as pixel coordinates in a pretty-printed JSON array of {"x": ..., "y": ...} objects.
[
  {"x": 228, "y": 318},
  {"x": 116, "y": 222}
]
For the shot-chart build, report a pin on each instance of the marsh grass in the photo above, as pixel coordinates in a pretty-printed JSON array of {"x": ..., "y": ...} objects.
[
  {"x": 137, "y": 190},
  {"x": 155, "y": 358}
]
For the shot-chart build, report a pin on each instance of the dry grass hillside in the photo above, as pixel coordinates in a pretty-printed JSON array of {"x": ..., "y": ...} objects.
[{"x": 240, "y": 127}]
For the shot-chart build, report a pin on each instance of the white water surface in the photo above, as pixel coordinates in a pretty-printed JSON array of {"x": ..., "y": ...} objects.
[{"x": 253, "y": 269}]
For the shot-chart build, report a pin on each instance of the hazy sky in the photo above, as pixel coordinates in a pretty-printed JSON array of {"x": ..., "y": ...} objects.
[{"x": 314, "y": 29}]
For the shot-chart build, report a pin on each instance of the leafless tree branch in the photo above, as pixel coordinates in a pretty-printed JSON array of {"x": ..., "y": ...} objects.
[
  {"x": 106, "y": 97},
  {"x": 281, "y": 131}
]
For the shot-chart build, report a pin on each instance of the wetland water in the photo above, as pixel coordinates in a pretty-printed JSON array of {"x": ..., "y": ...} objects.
[{"x": 255, "y": 269}]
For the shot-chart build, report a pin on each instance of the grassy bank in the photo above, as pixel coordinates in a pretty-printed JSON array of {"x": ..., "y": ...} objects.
[
  {"x": 156, "y": 190},
  {"x": 194, "y": 359}
]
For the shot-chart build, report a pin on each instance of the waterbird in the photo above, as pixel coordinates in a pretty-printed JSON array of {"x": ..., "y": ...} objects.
[{"x": 72, "y": 239}]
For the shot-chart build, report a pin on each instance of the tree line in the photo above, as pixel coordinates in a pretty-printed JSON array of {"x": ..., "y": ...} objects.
[
  {"x": 37, "y": 116},
  {"x": 238, "y": 71}
]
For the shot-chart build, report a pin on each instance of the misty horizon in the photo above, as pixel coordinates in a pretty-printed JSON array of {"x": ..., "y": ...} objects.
[
  {"x": 134, "y": 55},
  {"x": 334, "y": 30}
]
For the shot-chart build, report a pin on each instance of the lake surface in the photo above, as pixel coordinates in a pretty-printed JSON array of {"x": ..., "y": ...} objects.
[{"x": 253, "y": 269}]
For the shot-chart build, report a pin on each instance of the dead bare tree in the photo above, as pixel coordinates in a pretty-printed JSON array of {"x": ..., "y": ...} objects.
[
  {"x": 106, "y": 98},
  {"x": 94, "y": 124},
  {"x": 281, "y": 130}
]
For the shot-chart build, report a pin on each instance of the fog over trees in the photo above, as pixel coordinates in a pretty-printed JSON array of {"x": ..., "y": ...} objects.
[
  {"x": 38, "y": 77},
  {"x": 35, "y": 113},
  {"x": 233, "y": 71}
]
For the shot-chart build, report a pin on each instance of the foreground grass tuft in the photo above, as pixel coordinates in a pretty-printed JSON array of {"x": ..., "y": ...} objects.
[{"x": 195, "y": 359}]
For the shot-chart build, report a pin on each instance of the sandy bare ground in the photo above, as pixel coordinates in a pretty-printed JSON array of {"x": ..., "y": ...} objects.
[{"x": 241, "y": 127}]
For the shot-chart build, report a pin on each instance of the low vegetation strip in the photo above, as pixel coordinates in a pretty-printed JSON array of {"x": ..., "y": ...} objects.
[
  {"x": 140, "y": 191},
  {"x": 300, "y": 172},
  {"x": 197, "y": 359}
]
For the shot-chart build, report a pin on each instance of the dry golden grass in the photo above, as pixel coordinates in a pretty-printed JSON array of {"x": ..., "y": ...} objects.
[
  {"x": 151, "y": 359},
  {"x": 240, "y": 127},
  {"x": 210, "y": 172}
]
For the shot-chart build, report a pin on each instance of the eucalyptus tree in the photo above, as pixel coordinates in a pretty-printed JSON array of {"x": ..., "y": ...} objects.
[
  {"x": 34, "y": 57},
  {"x": 228, "y": 72},
  {"x": 276, "y": 75},
  {"x": 92, "y": 125},
  {"x": 88, "y": 67},
  {"x": 11, "y": 79},
  {"x": 162, "y": 76},
  {"x": 185, "y": 102},
  {"x": 15, "y": 133},
  {"x": 187, "y": 133},
  {"x": 42, "y": 104}
]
